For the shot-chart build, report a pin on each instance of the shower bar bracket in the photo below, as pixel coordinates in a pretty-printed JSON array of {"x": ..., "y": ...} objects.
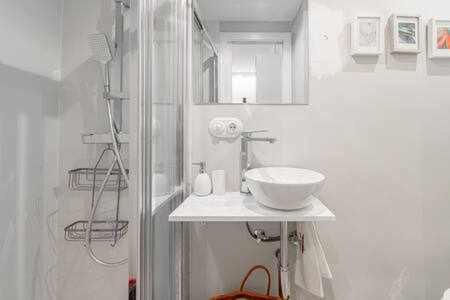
[
  {"x": 114, "y": 95},
  {"x": 104, "y": 138}
]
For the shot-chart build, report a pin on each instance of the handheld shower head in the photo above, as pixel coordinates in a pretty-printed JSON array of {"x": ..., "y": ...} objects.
[
  {"x": 101, "y": 52},
  {"x": 99, "y": 45}
]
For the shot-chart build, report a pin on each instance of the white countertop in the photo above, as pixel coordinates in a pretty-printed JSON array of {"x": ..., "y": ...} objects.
[{"x": 234, "y": 207}]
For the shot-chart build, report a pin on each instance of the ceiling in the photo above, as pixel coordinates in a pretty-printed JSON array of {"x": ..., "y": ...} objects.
[{"x": 249, "y": 10}]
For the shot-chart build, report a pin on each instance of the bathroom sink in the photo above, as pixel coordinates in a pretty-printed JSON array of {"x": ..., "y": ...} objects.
[{"x": 284, "y": 188}]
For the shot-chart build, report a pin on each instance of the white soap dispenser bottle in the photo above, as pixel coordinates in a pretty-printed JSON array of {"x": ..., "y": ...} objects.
[{"x": 202, "y": 183}]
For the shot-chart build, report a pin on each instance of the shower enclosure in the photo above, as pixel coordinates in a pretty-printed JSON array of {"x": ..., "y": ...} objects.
[
  {"x": 162, "y": 43},
  {"x": 92, "y": 152}
]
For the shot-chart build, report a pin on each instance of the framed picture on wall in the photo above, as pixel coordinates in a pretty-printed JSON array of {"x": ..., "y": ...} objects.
[
  {"x": 439, "y": 38},
  {"x": 406, "y": 34},
  {"x": 366, "y": 36}
]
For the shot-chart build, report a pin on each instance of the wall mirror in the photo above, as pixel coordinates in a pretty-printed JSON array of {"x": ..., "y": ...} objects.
[{"x": 250, "y": 52}]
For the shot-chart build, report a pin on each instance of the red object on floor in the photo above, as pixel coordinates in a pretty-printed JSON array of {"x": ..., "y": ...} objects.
[{"x": 131, "y": 282}]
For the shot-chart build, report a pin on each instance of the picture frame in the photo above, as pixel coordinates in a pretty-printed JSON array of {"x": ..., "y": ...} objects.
[
  {"x": 406, "y": 34},
  {"x": 366, "y": 36},
  {"x": 438, "y": 38}
]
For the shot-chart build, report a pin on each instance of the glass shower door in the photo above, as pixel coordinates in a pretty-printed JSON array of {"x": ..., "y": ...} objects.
[
  {"x": 160, "y": 144},
  {"x": 166, "y": 142}
]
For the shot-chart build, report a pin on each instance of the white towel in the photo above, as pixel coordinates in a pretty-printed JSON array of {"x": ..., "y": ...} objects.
[{"x": 311, "y": 265}]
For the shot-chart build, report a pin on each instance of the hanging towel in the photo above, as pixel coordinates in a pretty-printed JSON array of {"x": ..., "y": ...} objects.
[
  {"x": 323, "y": 264},
  {"x": 311, "y": 265}
]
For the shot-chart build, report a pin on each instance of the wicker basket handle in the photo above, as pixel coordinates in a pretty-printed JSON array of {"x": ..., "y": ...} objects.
[{"x": 251, "y": 271}]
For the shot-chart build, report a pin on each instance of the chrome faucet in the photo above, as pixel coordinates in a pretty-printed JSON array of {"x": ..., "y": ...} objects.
[{"x": 246, "y": 137}]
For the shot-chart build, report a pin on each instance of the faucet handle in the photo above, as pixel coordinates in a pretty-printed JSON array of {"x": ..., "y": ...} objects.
[{"x": 249, "y": 133}]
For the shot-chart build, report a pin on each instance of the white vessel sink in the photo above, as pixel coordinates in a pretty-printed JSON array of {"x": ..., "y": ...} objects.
[{"x": 284, "y": 188}]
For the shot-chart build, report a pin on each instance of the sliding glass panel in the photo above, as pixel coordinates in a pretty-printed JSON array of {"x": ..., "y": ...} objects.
[{"x": 166, "y": 144}]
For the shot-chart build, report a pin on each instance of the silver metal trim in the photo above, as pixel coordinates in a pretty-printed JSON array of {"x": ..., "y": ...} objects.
[
  {"x": 144, "y": 170},
  {"x": 118, "y": 47},
  {"x": 183, "y": 230},
  {"x": 284, "y": 260}
]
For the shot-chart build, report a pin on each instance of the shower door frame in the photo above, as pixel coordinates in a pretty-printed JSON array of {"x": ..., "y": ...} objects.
[{"x": 143, "y": 163}]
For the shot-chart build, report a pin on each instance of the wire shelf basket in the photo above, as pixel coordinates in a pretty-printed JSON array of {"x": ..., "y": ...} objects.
[
  {"x": 101, "y": 230},
  {"x": 84, "y": 179}
]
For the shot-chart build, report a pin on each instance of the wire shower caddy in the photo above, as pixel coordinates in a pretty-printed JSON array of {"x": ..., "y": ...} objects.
[
  {"x": 90, "y": 179},
  {"x": 85, "y": 179}
]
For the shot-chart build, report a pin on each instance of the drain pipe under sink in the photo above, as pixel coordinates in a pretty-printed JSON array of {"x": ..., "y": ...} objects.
[{"x": 284, "y": 264}]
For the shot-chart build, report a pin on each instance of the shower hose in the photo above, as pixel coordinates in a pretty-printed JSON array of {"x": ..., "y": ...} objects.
[{"x": 118, "y": 160}]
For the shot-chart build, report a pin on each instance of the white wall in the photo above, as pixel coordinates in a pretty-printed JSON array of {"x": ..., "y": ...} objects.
[
  {"x": 28, "y": 127},
  {"x": 82, "y": 110},
  {"x": 378, "y": 129},
  {"x": 30, "y": 32},
  {"x": 29, "y": 56}
]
